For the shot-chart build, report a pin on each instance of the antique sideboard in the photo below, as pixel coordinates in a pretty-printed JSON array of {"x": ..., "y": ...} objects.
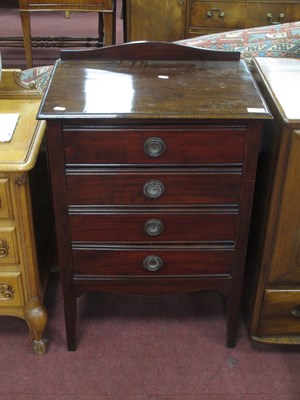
[
  {"x": 153, "y": 150},
  {"x": 171, "y": 20}
]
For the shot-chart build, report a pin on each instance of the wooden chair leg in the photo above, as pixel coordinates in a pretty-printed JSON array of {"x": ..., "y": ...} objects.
[
  {"x": 109, "y": 22},
  {"x": 26, "y": 28}
]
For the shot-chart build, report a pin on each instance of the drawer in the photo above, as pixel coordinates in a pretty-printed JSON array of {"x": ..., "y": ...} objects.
[
  {"x": 133, "y": 187},
  {"x": 264, "y": 13},
  {"x": 280, "y": 313},
  {"x": 5, "y": 199},
  {"x": 153, "y": 227},
  {"x": 71, "y": 5},
  {"x": 212, "y": 144},
  {"x": 151, "y": 262},
  {"x": 216, "y": 16},
  {"x": 11, "y": 293},
  {"x": 8, "y": 246}
]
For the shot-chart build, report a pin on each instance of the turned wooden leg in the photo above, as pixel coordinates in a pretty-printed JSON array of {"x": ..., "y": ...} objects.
[
  {"x": 26, "y": 28},
  {"x": 109, "y": 22},
  {"x": 36, "y": 319}
]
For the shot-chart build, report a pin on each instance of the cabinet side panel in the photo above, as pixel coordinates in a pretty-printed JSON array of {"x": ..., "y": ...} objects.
[
  {"x": 155, "y": 20},
  {"x": 285, "y": 262}
]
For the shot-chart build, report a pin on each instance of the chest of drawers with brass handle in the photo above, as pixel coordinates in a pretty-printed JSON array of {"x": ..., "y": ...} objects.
[
  {"x": 207, "y": 17},
  {"x": 170, "y": 20},
  {"x": 153, "y": 196}
]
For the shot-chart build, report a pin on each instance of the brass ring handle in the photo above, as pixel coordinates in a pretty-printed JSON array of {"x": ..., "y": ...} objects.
[
  {"x": 153, "y": 189},
  {"x": 153, "y": 227},
  {"x": 296, "y": 311},
  {"x": 212, "y": 11},
  {"x": 280, "y": 17},
  {"x": 154, "y": 147},
  {"x": 153, "y": 263}
]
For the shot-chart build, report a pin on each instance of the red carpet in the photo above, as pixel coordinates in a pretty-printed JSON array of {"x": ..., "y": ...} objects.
[{"x": 134, "y": 348}]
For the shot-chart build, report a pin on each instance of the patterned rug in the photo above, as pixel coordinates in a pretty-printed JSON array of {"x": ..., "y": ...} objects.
[{"x": 282, "y": 40}]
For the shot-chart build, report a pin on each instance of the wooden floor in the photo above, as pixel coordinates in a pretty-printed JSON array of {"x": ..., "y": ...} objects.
[{"x": 135, "y": 348}]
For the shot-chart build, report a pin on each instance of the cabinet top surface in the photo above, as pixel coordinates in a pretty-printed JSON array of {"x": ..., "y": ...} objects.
[
  {"x": 21, "y": 152},
  {"x": 152, "y": 89},
  {"x": 282, "y": 79}
]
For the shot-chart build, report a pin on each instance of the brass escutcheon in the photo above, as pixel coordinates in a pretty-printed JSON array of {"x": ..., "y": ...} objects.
[
  {"x": 280, "y": 18},
  {"x": 213, "y": 11}
]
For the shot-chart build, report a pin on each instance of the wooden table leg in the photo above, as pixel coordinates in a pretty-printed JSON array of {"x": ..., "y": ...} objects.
[{"x": 26, "y": 28}]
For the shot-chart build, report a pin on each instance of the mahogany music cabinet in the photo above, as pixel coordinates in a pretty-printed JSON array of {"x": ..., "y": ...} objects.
[{"x": 153, "y": 150}]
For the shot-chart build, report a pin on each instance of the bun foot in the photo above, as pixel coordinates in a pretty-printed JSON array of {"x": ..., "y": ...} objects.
[{"x": 40, "y": 346}]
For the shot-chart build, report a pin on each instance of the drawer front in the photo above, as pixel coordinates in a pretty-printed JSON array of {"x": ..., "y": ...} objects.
[
  {"x": 280, "y": 314},
  {"x": 156, "y": 146},
  {"x": 11, "y": 293},
  {"x": 8, "y": 246},
  {"x": 264, "y": 13},
  {"x": 4, "y": 198},
  {"x": 150, "y": 227},
  {"x": 217, "y": 15},
  {"x": 134, "y": 187},
  {"x": 73, "y": 5},
  {"x": 151, "y": 262}
]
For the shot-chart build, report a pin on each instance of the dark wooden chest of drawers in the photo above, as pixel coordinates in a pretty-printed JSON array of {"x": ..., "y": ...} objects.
[{"x": 153, "y": 156}]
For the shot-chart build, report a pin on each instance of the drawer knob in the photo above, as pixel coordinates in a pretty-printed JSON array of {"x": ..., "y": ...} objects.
[
  {"x": 154, "y": 147},
  {"x": 3, "y": 248},
  {"x": 296, "y": 311},
  {"x": 280, "y": 18},
  {"x": 153, "y": 227},
  {"x": 153, "y": 263},
  {"x": 153, "y": 189},
  {"x": 212, "y": 11}
]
